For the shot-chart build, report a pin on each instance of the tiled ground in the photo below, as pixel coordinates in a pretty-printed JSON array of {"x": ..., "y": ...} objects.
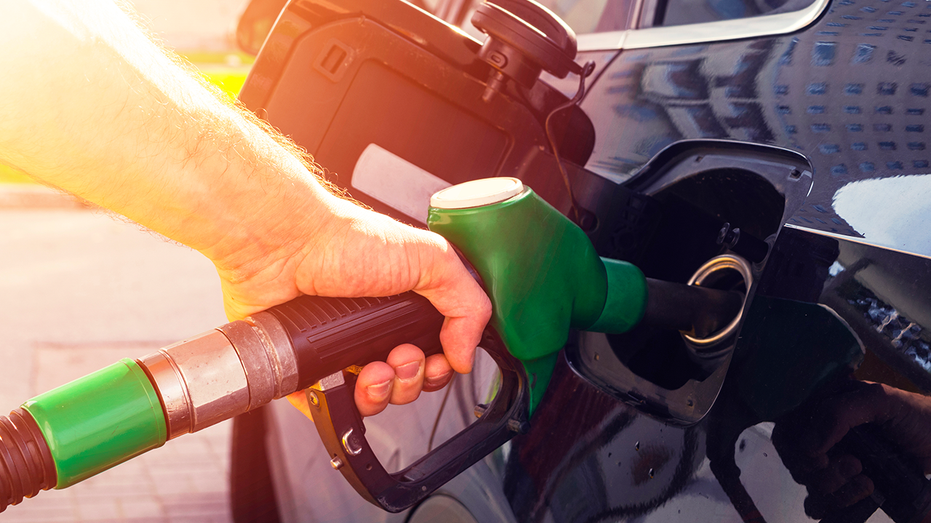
[
  {"x": 79, "y": 291},
  {"x": 184, "y": 481}
]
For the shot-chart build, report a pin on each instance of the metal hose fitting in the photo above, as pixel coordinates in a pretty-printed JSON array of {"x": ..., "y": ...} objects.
[
  {"x": 222, "y": 373},
  {"x": 26, "y": 464}
]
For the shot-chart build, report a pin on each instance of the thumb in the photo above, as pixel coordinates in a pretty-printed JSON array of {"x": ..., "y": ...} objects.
[{"x": 458, "y": 297}]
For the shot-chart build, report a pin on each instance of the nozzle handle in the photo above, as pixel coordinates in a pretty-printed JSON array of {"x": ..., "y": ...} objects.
[
  {"x": 331, "y": 334},
  {"x": 343, "y": 434},
  {"x": 900, "y": 487},
  {"x": 119, "y": 412}
]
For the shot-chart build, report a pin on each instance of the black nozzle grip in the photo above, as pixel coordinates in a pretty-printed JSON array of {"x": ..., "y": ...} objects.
[
  {"x": 330, "y": 334},
  {"x": 343, "y": 433},
  {"x": 900, "y": 487}
]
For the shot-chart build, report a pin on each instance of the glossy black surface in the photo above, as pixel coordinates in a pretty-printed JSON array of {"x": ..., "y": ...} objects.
[
  {"x": 851, "y": 93},
  {"x": 841, "y": 290},
  {"x": 339, "y": 76}
]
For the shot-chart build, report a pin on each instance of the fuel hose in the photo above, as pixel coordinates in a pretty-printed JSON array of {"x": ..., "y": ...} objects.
[
  {"x": 544, "y": 278},
  {"x": 84, "y": 427}
]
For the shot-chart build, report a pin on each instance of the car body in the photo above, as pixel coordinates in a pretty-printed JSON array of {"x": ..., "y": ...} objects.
[{"x": 800, "y": 123}]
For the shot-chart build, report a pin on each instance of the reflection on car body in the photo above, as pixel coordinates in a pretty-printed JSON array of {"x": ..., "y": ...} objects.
[{"x": 815, "y": 113}]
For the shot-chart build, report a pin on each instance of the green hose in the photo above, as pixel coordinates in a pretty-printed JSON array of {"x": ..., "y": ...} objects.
[{"x": 99, "y": 421}]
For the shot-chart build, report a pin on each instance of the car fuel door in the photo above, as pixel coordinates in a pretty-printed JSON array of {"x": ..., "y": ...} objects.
[
  {"x": 397, "y": 104},
  {"x": 700, "y": 212}
]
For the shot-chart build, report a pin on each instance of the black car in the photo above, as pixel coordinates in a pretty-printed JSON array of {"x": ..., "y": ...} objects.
[{"x": 786, "y": 134}]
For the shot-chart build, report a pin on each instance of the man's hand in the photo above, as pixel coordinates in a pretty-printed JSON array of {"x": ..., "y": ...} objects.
[
  {"x": 100, "y": 111},
  {"x": 806, "y": 441},
  {"x": 354, "y": 253}
]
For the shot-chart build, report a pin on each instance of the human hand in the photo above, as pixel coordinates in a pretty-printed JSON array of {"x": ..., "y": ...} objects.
[
  {"x": 807, "y": 441},
  {"x": 149, "y": 140},
  {"x": 347, "y": 251}
]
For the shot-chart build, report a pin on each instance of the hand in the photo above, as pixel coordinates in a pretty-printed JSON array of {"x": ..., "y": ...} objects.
[
  {"x": 147, "y": 139},
  {"x": 360, "y": 253},
  {"x": 834, "y": 479}
]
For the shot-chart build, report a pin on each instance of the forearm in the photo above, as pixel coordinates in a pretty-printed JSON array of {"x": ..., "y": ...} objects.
[
  {"x": 89, "y": 104},
  {"x": 97, "y": 109}
]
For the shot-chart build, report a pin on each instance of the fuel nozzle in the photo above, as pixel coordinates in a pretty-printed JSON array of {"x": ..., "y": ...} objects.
[
  {"x": 540, "y": 270},
  {"x": 84, "y": 427},
  {"x": 544, "y": 276}
]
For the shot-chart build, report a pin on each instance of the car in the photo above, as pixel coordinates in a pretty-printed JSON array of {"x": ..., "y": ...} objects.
[{"x": 786, "y": 135}]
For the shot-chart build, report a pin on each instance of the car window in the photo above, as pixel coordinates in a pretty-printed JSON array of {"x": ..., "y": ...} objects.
[
  {"x": 605, "y": 16},
  {"x": 593, "y": 16},
  {"x": 597, "y": 16},
  {"x": 583, "y": 16},
  {"x": 682, "y": 12}
]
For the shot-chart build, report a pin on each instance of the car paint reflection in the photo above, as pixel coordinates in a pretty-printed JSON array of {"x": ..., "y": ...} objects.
[
  {"x": 867, "y": 206},
  {"x": 849, "y": 92}
]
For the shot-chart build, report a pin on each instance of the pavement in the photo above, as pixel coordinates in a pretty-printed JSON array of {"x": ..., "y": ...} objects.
[{"x": 79, "y": 290}]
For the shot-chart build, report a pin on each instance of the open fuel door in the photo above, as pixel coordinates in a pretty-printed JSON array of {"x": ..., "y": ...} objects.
[
  {"x": 396, "y": 104},
  {"x": 704, "y": 213}
]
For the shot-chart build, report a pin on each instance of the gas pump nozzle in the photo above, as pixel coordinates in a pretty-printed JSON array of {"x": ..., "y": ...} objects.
[{"x": 540, "y": 271}]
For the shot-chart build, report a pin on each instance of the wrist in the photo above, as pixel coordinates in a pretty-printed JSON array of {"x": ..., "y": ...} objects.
[{"x": 274, "y": 217}]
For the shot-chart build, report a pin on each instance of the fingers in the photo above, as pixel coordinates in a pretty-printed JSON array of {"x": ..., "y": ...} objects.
[
  {"x": 858, "y": 488},
  {"x": 834, "y": 480},
  {"x": 408, "y": 364},
  {"x": 400, "y": 379},
  {"x": 438, "y": 373},
  {"x": 838, "y": 414},
  {"x": 800, "y": 464},
  {"x": 460, "y": 336},
  {"x": 380, "y": 383},
  {"x": 373, "y": 388},
  {"x": 805, "y": 439},
  {"x": 806, "y": 442},
  {"x": 836, "y": 475}
]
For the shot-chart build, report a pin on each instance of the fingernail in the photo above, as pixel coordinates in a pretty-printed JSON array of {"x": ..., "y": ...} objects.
[
  {"x": 408, "y": 371},
  {"x": 436, "y": 381},
  {"x": 379, "y": 391}
]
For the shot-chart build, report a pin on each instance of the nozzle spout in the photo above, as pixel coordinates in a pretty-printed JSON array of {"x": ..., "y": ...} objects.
[{"x": 694, "y": 310}]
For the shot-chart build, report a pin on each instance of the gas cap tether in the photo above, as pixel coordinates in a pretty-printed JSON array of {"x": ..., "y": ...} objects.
[{"x": 524, "y": 39}]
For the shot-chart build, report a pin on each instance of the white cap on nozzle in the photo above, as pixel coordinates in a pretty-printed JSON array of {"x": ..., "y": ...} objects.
[{"x": 476, "y": 193}]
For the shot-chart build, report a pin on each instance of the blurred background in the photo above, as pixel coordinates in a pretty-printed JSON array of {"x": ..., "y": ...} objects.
[
  {"x": 203, "y": 31},
  {"x": 81, "y": 289}
]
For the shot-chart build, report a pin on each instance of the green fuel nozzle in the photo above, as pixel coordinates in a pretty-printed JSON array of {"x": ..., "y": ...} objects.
[{"x": 540, "y": 270}]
